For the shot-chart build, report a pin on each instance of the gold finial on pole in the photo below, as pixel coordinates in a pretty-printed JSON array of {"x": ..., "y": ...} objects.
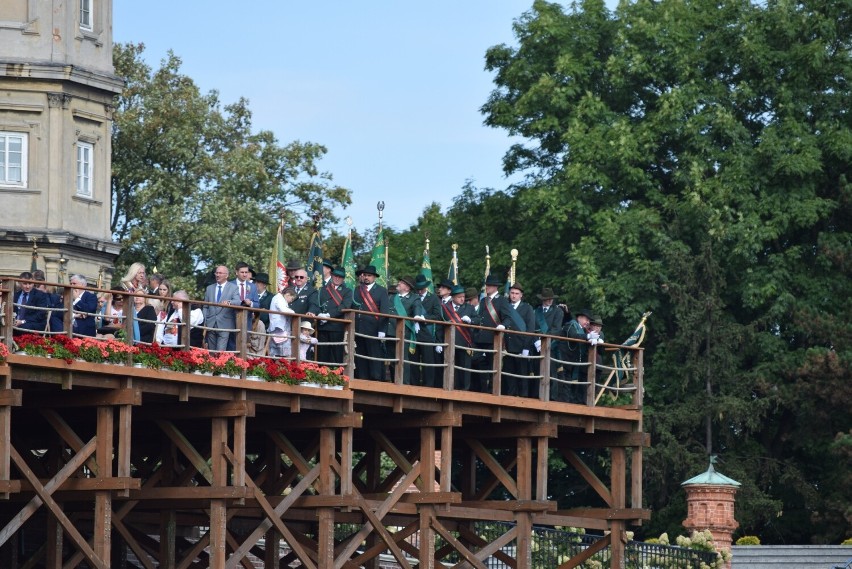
[
  {"x": 487, "y": 265},
  {"x": 62, "y": 270},
  {"x": 514, "y": 253},
  {"x": 101, "y": 277},
  {"x": 427, "y": 242},
  {"x": 349, "y": 223},
  {"x": 34, "y": 263}
]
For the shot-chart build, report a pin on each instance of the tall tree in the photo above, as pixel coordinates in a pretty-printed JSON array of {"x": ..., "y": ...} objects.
[
  {"x": 691, "y": 157},
  {"x": 194, "y": 185}
]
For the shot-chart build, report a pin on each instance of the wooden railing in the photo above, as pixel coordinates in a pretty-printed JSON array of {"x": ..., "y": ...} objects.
[{"x": 622, "y": 375}]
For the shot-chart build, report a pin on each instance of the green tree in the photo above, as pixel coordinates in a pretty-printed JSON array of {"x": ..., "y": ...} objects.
[
  {"x": 194, "y": 185},
  {"x": 691, "y": 158}
]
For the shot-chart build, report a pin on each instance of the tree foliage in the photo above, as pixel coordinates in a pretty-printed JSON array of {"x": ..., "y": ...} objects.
[
  {"x": 194, "y": 185},
  {"x": 692, "y": 158}
]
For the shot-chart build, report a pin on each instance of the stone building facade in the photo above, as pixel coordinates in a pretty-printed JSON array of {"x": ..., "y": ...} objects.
[{"x": 57, "y": 87}]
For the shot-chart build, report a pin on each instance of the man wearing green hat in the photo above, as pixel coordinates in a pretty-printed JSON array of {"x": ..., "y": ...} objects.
[
  {"x": 427, "y": 375},
  {"x": 576, "y": 355},
  {"x": 333, "y": 298},
  {"x": 461, "y": 315},
  {"x": 516, "y": 380},
  {"x": 548, "y": 320},
  {"x": 406, "y": 304}
]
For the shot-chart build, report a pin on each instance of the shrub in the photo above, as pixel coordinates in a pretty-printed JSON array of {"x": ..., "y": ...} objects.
[{"x": 748, "y": 540}]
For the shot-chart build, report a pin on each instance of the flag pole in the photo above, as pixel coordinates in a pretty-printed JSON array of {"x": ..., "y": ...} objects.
[{"x": 512, "y": 273}]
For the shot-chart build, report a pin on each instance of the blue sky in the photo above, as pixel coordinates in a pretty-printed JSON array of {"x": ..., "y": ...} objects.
[{"x": 391, "y": 88}]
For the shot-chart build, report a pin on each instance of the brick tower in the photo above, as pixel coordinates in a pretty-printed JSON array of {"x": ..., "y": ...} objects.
[{"x": 710, "y": 503}]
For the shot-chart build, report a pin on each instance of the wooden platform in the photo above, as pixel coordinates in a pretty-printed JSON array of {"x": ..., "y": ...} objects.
[
  {"x": 114, "y": 466},
  {"x": 190, "y": 470}
]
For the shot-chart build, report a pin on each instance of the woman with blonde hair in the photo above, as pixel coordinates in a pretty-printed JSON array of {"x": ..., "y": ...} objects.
[{"x": 135, "y": 279}]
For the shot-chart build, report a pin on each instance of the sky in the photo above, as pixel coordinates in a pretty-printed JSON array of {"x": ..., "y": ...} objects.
[{"x": 391, "y": 88}]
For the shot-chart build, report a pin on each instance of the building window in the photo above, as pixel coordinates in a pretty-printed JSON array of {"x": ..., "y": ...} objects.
[
  {"x": 85, "y": 156},
  {"x": 86, "y": 15},
  {"x": 13, "y": 159}
]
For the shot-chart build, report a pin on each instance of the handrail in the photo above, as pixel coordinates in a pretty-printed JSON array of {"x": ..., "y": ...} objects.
[{"x": 549, "y": 369}]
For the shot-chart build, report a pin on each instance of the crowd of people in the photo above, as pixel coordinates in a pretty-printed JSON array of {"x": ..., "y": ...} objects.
[{"x": 158, "y": 312}]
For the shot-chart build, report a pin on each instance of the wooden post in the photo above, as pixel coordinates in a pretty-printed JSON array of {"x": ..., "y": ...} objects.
[
  {"x": 618, "y": 489},
  {"x": 325, "y": 516},
  {"x": 218, "y": 509},
  {"x": 103, "y": 499}
]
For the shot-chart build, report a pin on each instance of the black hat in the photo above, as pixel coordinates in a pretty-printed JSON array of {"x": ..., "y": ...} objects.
[
  {"x": 293, "y": 265},
  {"x": 597, "y": 320},
  {"x": 339, "y": 272},
  {"x": 586, "y": 312},
  {"x": 421, "y": 282},
  {"x": 328, "y": 263},
  {"x": 368, "y": 270},
  {"x": 408, "y": 281},
  {"x": 458, "y": 289},
  {"x": 547, "y": 294},
  {"x": 471, "y": 293},
  {"x": 262, "y": 278},
  {"x": 518, "y": 286},
  {"x": 493, "y": 280},
  {"x": 446, "y": 283}
]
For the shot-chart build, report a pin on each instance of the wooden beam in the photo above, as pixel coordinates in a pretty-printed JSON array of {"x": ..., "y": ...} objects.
[
  {"x": 602, "y": 440},
  {"x": 511, "y": 505},
  {"x": 27, "y": 511},
  {"x": 510, "y": 430},
  {"x": 589, "y": 476},
  {"x": 196, "y": 410},
  {"x": 87, "y": 398},
  {"x": 495, "y": 467},
  {"x": 605, "y": 513},
  {"x": 45, "y": 496},
  {"x": 414, "y": 420},
  {"x": 10, "y": 397},
  {"x": 311, "y": 422}
]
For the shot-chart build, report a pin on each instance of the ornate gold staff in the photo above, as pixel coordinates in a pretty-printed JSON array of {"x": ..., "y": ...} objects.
[
  {"x": 487, "y": 266},
  {"x": 514, "y": 253}
]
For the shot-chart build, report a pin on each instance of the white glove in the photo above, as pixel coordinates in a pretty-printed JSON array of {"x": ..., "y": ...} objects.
[
  {"x": 324, "y": 315},
  {"x": 420, "y": 317},
  {"x": 465, "y": 319},
  {"x": 314, "y": 341},
  {"x": 537, "y": 345},
  {"x": 439, "y": 349},
  {"x": 500, "y": 327},
  {"x": 525, "y": 352},
  {"x": 416, "y": 328},
  {"x": 381, "y": 334}
]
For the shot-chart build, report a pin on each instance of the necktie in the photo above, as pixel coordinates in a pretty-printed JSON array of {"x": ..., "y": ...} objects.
[
  {"x": 219, "y": 293},
  {"x": 26, "y": 298},
  {"x": 242, "y": 291}
]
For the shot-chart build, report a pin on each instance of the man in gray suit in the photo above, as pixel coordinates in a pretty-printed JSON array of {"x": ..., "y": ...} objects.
[{"x": 220, "y": 317}]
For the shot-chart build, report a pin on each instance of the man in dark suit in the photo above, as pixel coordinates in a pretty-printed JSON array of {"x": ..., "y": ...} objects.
[
  {"x": 518, "y": 348},
  {"x": 219, "y": 316},
  {"x": 373, "y": 299},
  {"x": 31, "y": 308},
  {"x": 84, "y": 307},
  {"x": 247, "y": 291},
  {"x": 548, "y": 320},
  {"x": 431, "y": 305},
  {"x": 54, "y": 320},
  {"x": 405, "y": 303},
  {"x": 460, "y": 314},
  {"x": 494, "y": 312},
  {"x": 306, "y": 295},
  {"x": 334, "y": 298}
]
